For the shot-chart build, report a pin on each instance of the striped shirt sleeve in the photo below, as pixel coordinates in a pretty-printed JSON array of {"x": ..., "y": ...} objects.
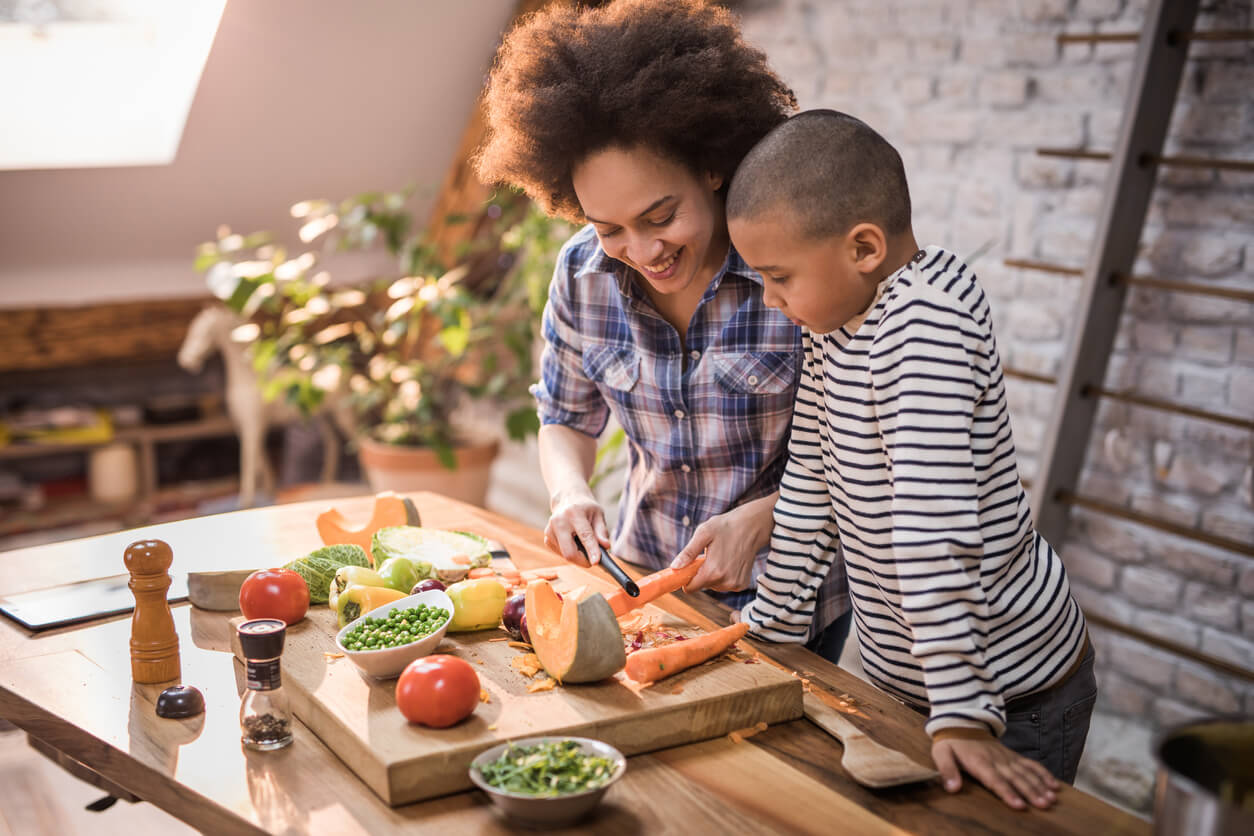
[
  {"x": 805, "y": 540},
  {"x": 930, "y": 366}
]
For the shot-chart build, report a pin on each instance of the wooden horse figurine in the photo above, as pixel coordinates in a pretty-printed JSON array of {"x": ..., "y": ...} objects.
[{"x": 210, "y": 331}]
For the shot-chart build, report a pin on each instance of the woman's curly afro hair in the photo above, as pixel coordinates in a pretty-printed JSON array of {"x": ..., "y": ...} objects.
[{"x": 672, "y": 76}]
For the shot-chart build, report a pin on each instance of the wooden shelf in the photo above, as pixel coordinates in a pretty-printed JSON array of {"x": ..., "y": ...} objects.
[
  {"x": 150, "y": 434},
  {"x": 76, "y": 510},
  {"x": 150, "y": 502}
]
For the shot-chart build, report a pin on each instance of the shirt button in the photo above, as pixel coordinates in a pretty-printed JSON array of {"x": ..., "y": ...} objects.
[
  {"x": 679, "y": 413},
  {"x": 694, "y": 354},
  {"x": 753, "y": 380},
  {"x": 686, "y": 469},
  {"x": 687, "y": 520}
]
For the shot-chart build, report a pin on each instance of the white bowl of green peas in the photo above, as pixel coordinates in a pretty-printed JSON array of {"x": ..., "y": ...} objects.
[{"x": 383, "y": 641}]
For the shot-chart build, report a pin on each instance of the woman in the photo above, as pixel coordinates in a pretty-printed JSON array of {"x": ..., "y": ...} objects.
[{"x": 632, "y": 118}]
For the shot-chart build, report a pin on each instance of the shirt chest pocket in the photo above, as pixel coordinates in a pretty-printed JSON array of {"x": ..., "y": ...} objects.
[
  {"x": 612, "y": 365},
  {"x": 755, "y": 372}
]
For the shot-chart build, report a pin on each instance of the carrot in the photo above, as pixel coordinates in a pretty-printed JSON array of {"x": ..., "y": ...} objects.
[
  {"x": 460, "y": 559},
  {"x": 481, "y": 572},
  {"x": 654, "y": 586},
  {"x": 659, "y": 662}
]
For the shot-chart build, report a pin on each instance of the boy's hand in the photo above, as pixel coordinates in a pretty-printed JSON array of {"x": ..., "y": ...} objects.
[
  {"x": 577, "y": 515},
  {"x": 1009, "y": 775},
  {"x": 730, "y": 542}
]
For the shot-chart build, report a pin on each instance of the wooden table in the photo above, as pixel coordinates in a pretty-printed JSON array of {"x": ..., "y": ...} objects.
[{"x": 71, "y": 689}]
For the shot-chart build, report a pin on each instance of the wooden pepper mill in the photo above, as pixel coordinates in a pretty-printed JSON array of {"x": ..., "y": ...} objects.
[{"x": 154, "y": 642}]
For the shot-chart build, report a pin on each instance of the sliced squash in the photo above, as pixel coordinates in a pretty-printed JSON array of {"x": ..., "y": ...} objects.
[
  {"x": 389, "y": 510},
  {"x": 576, "y": 640}
]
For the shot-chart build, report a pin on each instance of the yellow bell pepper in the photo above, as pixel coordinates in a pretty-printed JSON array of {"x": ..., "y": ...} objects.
[
  {"x": 477, "y": 604},
  {"x": 347, "y": 576},
  {"x": 357, "y": 600}
]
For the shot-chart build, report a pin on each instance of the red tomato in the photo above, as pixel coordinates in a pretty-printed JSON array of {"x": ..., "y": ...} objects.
[
  {"x": 274, "y": 593},
  {"x": 437, "y": 691}
]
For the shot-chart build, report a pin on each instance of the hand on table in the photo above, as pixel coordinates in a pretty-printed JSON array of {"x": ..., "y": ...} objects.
[
  {"x": 730, "y": 542},
  {"x": 581, "y": 516},
  {"x": 1007, "y": 774}
]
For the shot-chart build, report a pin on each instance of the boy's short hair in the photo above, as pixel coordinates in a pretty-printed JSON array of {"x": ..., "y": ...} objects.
[
  {"x": 830, "y": 171},
  {"x": 673, "y": 76}
]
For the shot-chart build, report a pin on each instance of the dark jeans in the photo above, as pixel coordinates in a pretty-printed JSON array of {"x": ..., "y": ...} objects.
[
  {"x": 1050, "y": 727},
  {"x": 831, "y": 641}
]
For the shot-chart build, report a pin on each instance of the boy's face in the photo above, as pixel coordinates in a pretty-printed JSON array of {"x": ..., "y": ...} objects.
[
  {"x": 654, "y": 215},
  {"x": 819, "y": 284}
]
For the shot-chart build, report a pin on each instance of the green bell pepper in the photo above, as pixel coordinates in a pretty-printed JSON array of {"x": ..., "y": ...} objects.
[{"x": 399, "y": 573}]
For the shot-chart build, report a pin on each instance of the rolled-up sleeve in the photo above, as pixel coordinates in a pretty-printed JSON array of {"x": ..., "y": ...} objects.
[{"x": 564, "y": 394}]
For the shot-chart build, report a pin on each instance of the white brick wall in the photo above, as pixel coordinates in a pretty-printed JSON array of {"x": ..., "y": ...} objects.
[{"x": 967, "y": 90}]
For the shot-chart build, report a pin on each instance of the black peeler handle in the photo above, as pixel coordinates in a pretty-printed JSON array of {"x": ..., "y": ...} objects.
[{"x": 616, "y": 571}]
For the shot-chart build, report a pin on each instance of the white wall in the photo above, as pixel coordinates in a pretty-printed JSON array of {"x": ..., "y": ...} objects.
[{"x": 299, "y": 99}]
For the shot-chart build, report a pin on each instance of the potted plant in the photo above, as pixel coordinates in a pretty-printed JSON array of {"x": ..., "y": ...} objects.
[{"x": 400, "y": 357}]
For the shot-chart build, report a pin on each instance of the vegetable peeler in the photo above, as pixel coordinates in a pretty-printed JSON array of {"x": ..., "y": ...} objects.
[{"x": 616, "y": 571}]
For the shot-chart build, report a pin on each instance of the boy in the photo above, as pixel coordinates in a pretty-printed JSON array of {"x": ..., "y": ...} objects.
[{"x": 901, "y": 450}]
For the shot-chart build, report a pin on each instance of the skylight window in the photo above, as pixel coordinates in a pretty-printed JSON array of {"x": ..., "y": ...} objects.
[{"x": 92, "y": 83}]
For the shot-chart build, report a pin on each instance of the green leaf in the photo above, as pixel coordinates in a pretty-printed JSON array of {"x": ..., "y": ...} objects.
[
  {"x": 522, "y": 422},
  {"x": 206, "y": 260},
  {"x": 445, "y": 454},
  {"x": 243, "y": 292},
  {"x": 608, "y": 456},
  {"x": 455, "y": 338}
]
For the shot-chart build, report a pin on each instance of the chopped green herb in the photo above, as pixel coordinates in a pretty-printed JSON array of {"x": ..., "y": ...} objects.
[{"x": 547, "y": 769}]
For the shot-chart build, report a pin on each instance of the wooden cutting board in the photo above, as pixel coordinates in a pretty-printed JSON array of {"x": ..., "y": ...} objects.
[{"x": 357, "y": 717}]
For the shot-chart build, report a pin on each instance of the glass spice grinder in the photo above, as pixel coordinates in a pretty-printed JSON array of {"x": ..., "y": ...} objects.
[{"x": 264, "y": 719}]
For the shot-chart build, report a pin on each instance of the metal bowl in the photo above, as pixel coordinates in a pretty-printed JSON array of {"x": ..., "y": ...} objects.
[
  {"x": 552, "y": 811},
  {"x": 1206, "y": 779}
]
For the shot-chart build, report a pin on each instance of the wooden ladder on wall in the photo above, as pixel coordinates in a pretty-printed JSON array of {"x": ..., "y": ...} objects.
[{"x": 1162, "y": 50}]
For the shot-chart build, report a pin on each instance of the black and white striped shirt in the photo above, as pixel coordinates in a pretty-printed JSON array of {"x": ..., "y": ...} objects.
[{"x": 901, "y": 453}]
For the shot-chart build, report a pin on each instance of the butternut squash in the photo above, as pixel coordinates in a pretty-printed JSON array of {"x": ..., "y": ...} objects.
[
  {"x": 389, "y": 510},
  {"x": 575, "y": 640}
]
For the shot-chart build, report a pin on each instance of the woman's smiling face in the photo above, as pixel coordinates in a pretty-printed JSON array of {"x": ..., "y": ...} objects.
[{"x": 654, "y": 215}]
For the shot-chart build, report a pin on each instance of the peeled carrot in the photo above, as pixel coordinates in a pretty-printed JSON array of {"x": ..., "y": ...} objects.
[
  {"x": 660, "y": 662},
  {"x": 654, "y": 586},
  {"x": 460, "y": 559},
  {"x": 481, "y": 572}
]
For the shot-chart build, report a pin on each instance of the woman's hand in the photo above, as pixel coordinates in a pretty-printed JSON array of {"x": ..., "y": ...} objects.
[
  {"x": 576, "y": 515},
  {"x": 730, "y": 542},
  {"x": 566, "y": 459},
  {"x": 1010, "y": 776}
]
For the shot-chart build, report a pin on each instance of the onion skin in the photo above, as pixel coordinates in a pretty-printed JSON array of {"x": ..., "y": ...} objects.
[
  {"x": 511, "y": 618},
  {"x": 425, "y": 585}
]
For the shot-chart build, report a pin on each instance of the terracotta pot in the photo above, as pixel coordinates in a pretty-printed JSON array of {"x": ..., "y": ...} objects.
[{"x": 389, "y": 467}]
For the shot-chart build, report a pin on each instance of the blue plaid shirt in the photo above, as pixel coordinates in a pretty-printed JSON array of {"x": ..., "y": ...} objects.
[{"x": 707, "y": 423}]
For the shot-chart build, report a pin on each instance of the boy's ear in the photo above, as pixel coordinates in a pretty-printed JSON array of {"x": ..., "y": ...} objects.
[
  {"x": 868, "y": 247},
  {"x": 715, "y": 180}
]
